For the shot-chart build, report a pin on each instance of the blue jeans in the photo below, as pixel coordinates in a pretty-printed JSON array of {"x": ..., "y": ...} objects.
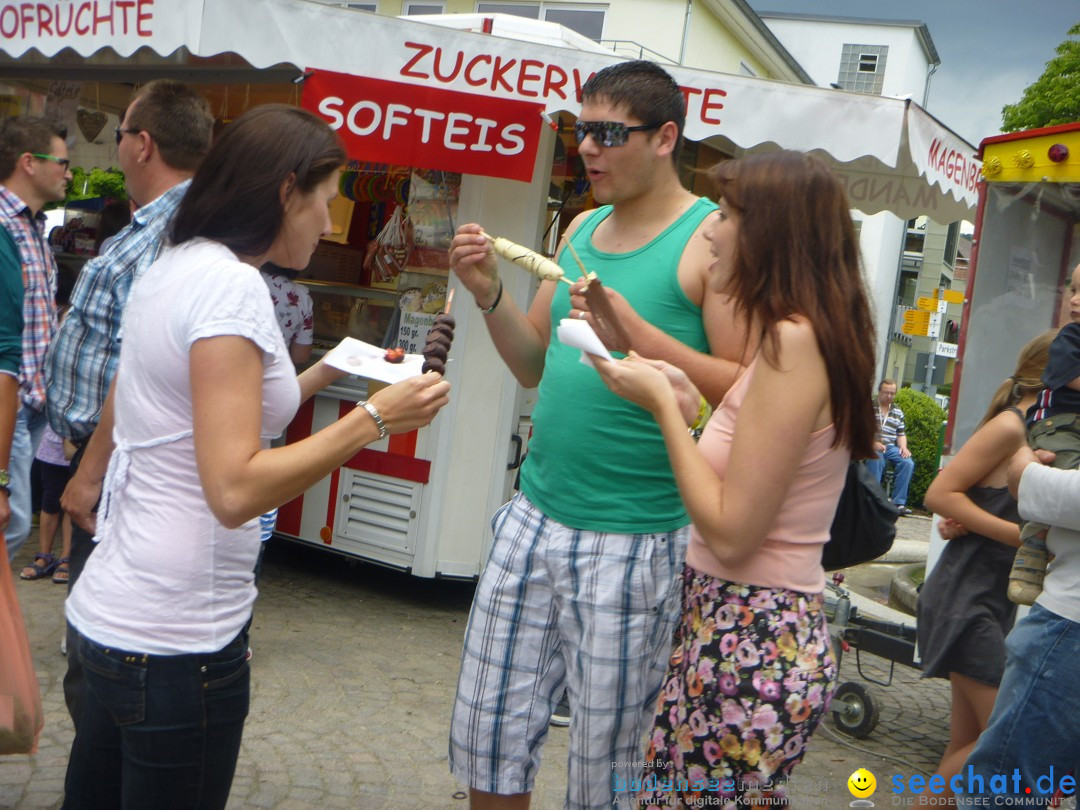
[
  {"x": 1033, "y": 727},
  {"x": 904, "y": 469},
  {"x": 159, "y": 731},
  {"x": 29, "y": 426}
]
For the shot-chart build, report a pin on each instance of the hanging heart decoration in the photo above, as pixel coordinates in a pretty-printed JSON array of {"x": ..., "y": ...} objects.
[{"x": 90, "y": 122}]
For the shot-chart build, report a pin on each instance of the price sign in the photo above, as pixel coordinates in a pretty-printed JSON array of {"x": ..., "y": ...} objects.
[{"x": 412, "y": 334}]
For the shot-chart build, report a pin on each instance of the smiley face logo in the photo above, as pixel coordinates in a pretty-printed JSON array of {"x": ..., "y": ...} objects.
[{"x": 861, "y": 784}]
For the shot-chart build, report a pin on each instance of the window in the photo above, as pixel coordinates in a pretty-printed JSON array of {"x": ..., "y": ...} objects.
[
  {"x": 412, "y": 9},
  {"x": 909, "y": 283},
  {"x": 862, "y": 68},
  {"x": 952, "y": 240},
  {"x": 914, "y": 241},
  {"x": 587, "y": 20},
  {"x": 362, "y": 6}
]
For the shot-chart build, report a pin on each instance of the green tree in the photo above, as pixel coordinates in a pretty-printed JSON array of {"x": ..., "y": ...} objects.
[
  {"x": 1053, "y": 98},
  {"x": 922, "y": 418},
  {"x": 96, "y": 183}
]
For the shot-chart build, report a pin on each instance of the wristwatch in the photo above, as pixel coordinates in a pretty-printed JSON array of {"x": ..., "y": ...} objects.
[{"x": 5, "y": 481}]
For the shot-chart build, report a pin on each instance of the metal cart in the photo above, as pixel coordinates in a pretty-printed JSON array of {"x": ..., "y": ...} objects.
[{"x": 854, "y": 710}]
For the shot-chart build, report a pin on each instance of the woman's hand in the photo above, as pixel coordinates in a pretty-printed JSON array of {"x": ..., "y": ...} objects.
[
  {"x": 411, "y": 403},
  {"x": 473, "y": 261},
  {"x": 950, "y": 529},
  {"x": 649, "y": 383}
]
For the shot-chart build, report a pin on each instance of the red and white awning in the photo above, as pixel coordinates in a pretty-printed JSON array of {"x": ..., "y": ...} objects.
[{"x": 893, "y": 155}]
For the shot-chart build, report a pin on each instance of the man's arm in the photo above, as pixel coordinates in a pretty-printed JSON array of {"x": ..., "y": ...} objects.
[
  {"x": 1046, "y": 494},
  {"x": 11, "y": 324},
  {"x": 901, "y": 437},
  {"x": 729, "y": 349},
  {"x": 520, "y": 338},
  {"x": 83, "y": 491}
]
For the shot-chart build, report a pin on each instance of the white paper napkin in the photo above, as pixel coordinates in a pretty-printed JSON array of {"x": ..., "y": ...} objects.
[
  {"x": 579, "y": 335},
  {"x": 366, "y": 360}
]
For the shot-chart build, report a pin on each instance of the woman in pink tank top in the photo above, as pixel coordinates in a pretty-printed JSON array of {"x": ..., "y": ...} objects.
[{"x": 752, "y": 669}]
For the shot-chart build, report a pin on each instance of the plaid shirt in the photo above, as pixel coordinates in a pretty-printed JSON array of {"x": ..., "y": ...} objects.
[
  {"x": 87, "y": 347},
  {"x": 39, "y": 296}
]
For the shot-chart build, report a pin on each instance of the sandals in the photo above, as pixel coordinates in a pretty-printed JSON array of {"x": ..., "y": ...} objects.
[
  {"x": 62, "y": 573},
  {"x": 36, "y": 571}
]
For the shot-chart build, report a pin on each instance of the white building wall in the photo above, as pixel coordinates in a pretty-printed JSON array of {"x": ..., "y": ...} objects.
[{"x": 818, "y": 46}]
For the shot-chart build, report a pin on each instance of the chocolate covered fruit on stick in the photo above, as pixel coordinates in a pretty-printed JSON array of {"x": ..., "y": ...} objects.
[
  {"x": 608, "y": 326},
  {"x": 439, "y": 338}
]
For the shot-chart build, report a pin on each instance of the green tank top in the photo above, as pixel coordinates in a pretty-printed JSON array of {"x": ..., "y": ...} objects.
[{"x": 597, "y": 461}]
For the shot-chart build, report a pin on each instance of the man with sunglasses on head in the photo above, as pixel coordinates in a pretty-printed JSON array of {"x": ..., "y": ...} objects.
[
  {"x": 162, "y": 138},
  {"x": 581, "y": 588},
  {"x": 34, "y": 165}
]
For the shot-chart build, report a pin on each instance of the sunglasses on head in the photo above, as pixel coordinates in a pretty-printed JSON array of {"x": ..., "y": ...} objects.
[{"x": 609, "y": 133}]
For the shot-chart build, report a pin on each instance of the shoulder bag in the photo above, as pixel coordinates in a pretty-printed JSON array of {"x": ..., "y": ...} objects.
[{"x": 865, "y": 523}]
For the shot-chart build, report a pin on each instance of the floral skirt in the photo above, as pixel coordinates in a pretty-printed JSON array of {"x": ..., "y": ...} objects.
[{"x": 749, "y": 680}]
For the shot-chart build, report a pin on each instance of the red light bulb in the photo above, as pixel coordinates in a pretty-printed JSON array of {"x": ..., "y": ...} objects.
[{"x": 1058, "y": 153}]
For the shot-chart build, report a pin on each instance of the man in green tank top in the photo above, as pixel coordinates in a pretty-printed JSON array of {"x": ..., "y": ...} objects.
[{"x": 581, "y": 590}]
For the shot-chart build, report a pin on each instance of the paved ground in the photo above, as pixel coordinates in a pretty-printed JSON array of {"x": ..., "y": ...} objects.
[{"x": 353, "y": 675}]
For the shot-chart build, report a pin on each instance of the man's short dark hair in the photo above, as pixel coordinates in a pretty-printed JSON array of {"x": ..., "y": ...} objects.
[
  {"x": 177, "y": 118},
  {"x": 885, "y": 382},
  {"x": 21, "y": 135},
  {"x": 645, "y": 89}
]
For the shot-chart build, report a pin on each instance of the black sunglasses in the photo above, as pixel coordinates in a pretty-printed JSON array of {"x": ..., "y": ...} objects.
[
  {"x": 609, "y": 133},
  {"x": 120, "y": 133}
]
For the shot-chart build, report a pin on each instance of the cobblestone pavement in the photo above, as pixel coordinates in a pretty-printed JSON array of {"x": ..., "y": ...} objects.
[{"x": 352, "y": 681}]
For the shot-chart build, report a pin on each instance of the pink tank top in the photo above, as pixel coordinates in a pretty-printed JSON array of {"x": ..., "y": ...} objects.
[{"x": 790, "y": 556}]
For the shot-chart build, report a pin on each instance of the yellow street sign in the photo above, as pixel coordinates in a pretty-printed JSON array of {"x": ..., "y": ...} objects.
[
  {"x": 928, "y": 304},
  {"x": 953, "y": 296},
  {"x": 917, "y": 316},
  {"x": 914, "y": 328}
]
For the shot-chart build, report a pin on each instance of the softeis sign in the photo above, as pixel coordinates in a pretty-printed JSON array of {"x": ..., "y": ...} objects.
[{"x": 427, "y": 127}]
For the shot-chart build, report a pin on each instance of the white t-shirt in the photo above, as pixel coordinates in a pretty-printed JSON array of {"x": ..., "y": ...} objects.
[
  {"x": 1052, "y": 496},
  {"x": 167, "y": 578}
]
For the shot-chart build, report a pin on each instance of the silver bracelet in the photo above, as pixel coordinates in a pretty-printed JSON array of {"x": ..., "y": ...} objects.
[{"x": 373, "y": 411}]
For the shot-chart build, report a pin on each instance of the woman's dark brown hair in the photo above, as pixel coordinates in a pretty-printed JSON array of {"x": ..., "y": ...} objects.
[
  {"x": 235, "y": 196},
  {"x": 797, "y": 254}
]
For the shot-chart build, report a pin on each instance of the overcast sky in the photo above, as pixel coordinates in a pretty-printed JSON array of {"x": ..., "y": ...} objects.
[{"x": 990, "y": 50}]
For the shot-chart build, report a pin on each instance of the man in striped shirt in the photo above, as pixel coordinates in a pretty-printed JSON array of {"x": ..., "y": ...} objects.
[
  {"x": 891, "y": 445},
  {"x": 34, "y": 165}
]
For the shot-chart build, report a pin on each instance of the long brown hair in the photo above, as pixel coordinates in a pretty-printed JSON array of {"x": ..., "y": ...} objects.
[
  {"x": 1027, "y": 379},
  {"x": 797, "y": 254}
]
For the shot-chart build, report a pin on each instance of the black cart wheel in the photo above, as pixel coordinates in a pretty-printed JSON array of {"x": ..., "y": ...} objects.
[{"x": 854, "y": 711}]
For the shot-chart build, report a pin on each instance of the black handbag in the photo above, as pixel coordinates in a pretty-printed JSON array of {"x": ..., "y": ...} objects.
[{"x": 865, "y": 524}]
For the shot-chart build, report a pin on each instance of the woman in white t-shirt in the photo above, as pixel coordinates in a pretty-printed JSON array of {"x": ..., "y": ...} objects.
[{"x": 204, "y": 381}]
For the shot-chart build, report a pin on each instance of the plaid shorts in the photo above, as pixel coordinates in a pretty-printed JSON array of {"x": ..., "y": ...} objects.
[{"x": 556, "y": 606}]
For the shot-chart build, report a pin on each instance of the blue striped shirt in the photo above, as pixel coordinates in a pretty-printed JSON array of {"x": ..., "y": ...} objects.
[{"x": 83, "y": 359}]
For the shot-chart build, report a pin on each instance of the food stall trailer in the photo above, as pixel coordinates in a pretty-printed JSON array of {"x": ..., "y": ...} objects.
[
  {"x": 462, "y": 118},
  {"x": 1025, "y": 247}
]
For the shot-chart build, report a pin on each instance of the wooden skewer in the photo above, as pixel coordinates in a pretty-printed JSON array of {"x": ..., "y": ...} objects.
[
  {"x": 449, "y": 302},
  {"x": 581, "y": 264}
]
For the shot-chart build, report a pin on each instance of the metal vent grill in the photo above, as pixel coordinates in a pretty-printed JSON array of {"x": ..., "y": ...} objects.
[{"x": 378, "y": 511}]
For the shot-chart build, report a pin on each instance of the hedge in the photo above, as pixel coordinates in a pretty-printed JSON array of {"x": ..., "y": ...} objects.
[{"x": 923, "y": 418}]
